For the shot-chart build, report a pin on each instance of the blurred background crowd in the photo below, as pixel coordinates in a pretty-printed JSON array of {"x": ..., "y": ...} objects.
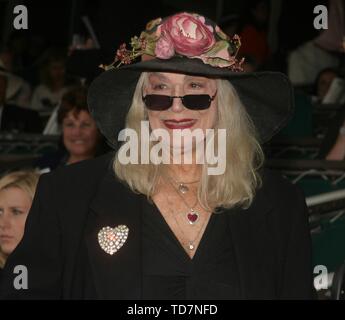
[{"x": 45, "y": 72}]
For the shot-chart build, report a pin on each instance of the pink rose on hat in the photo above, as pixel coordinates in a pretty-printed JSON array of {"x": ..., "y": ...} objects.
[
  {"x": 189, "y": 34},
  {"x": 164, "y": 47}
]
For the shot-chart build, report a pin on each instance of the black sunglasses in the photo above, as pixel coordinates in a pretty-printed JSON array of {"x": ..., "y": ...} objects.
[{"x": 158, "y": 102}]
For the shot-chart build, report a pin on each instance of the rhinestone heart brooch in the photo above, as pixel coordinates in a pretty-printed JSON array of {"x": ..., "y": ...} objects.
[{"x": 112, "y": 239}]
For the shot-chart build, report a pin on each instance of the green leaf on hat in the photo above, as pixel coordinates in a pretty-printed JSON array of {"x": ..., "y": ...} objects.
[{"x": 219, "y": 46}]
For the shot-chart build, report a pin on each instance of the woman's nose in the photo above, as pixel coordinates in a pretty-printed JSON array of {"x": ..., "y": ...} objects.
[
  {"x": 177, "y": 105},
  {"x": 5, "y": 222},
  {"x": 76, "y": 131}
]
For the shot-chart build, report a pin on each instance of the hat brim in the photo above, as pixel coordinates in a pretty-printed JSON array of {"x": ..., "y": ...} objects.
[{"x": 267, "y": 96}]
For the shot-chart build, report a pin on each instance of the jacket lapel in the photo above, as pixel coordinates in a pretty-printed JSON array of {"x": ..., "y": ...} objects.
[{"x": 116, "y": 276}]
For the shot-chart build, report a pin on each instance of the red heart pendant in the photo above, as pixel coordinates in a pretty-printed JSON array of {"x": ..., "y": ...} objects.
[{"x": 192, "y": 217}]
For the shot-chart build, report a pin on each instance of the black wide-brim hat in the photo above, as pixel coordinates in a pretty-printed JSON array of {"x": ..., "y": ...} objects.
[{"x": 267, "y": 96}]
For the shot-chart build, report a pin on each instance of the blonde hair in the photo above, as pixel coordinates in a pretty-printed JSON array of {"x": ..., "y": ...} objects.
[
  {"x": 244, "y": 156},
  {"x": 24, "y": 180},
  {"x": 2, "y": 259}
]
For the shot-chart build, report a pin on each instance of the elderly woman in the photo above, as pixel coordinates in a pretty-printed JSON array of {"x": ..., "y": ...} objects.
[
  {"x": 17, "y": 190},
  {"x": 170, "y": 218}
]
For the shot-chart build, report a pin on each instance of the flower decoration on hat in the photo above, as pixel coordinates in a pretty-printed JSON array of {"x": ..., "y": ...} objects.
[{"x": 185, "y": 35}]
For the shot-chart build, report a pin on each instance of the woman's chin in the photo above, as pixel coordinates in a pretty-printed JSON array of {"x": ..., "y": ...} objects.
[
  {"x": 79, "y": 152},
  {"x": 7, "y": 248}
]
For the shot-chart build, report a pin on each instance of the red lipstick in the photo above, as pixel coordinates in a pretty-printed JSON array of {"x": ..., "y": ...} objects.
[{"x": 179, "y": 124}]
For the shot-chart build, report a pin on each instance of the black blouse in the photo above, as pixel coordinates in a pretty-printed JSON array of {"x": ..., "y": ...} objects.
[
  {"x": 168, "y": 271},
  {"x": 0, "y": 275}
]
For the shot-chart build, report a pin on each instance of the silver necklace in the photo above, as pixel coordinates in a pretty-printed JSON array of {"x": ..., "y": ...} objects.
[
  {"x": 182, "y": 186},
  {"x": 191, "y": 215},
  {"x": 190, "y": 243}
]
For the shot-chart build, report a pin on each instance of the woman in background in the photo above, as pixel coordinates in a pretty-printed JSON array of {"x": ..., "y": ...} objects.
[
  {"x": 81, "y": 139},
  {"x": 17, "y": 191},
  {"x": 53, "y": 83}
]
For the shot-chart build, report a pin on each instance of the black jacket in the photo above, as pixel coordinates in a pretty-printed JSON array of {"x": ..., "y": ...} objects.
[{"x": 64, "y": 260}]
